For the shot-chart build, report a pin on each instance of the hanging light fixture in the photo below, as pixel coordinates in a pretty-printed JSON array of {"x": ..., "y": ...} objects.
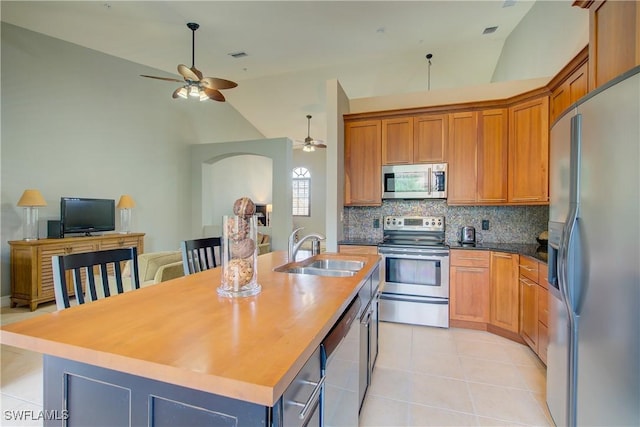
[
  {"x": 429, "y": 56},
  {"x": 310, "y": 144}
]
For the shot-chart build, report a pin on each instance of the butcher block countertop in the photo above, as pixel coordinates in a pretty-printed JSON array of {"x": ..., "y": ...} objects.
[{"x": 181, "y": 332}]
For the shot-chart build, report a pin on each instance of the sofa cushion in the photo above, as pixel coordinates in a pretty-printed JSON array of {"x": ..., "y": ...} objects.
[{"x": 149, "y": 263}]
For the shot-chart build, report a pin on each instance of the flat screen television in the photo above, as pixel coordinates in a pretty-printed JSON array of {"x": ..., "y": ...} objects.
[{"x": 82, "y": 215}]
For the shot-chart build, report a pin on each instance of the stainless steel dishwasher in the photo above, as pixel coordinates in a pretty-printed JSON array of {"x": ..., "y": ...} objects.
[
  {"x": 340, "y": 403},
  {"x": 302, "y": 399}
]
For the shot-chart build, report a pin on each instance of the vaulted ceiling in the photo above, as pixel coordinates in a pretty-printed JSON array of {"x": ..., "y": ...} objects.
[{"x": 292, "y": 48}]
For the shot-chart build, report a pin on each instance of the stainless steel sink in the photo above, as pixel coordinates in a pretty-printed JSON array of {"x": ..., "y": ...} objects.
[
  {"x": 317, "y": 271},
  {"x": 323, "y": 267},
  {"x": 337, "y": 264}
]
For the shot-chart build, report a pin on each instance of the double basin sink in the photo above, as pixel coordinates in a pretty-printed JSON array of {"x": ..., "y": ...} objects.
[{"x": 323, "y": 267}]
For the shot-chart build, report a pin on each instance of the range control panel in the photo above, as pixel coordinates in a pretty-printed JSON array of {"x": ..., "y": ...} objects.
[{"x": 415, "y": 223}]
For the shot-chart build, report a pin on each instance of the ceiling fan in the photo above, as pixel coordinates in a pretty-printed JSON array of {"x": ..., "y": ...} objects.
[
  {"x": 311, "y": 144},
  {"x": 197, "y": 86}
]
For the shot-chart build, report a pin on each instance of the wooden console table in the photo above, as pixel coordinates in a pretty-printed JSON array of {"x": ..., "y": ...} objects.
[{"x": 31, "y": 270}]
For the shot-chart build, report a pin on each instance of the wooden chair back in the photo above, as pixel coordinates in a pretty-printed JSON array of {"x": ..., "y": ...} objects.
[
  {"x": 84, "y": 268},
  {"x": 200, "y": 254}
]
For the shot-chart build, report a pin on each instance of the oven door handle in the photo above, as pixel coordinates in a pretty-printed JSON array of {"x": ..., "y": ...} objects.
[{"x": 409, "y": 298}]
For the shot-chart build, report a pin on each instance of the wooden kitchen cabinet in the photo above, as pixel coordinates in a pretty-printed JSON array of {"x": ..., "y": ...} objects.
[
  {"x": 358, "y": 249},
  {"x": 397, "y": 141},
  {"x": 528, "y": 175},
  {"x": 543, "y": 312},
  {"x": 430, "y": 136},
  {"x": 529, "y": 302},
  {"x": 534, "y": 311},
  {"x": 362, "y": 163},
  {"x": 417, "y": 139},
  {"x": 493, "y": 159},
  {"x": 462, "y": 155},
  {"x": 572, "y": 89},
  {"x": 504, "y": 291},
  {"x": 614, "y": 39},
  {"x": 32, "y": 271},
  {"x": 478, "y": 157},
  {"x": 469, "y": 286}
]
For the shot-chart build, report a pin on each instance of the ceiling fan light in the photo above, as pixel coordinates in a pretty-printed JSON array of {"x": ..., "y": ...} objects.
[
  {"x": 203, "y": 95},
  {"x": 308, "y": 148},
  {"x": 182, "y": 93},
  {"x": 194, "y": 91}
]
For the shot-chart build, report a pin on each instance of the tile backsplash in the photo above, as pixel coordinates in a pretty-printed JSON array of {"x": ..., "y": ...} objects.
[{"x": 507, "y": 224}]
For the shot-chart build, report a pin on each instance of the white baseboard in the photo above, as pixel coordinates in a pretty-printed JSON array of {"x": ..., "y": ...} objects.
[{"x": 5, "y": 301}]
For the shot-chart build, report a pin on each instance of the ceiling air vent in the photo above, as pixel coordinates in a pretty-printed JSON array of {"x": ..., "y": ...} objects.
[
  {"x": 489, "y": 30},
  {"x": 238, "y": 54}
]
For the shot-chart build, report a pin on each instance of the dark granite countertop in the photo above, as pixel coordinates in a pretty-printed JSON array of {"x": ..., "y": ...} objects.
[
  {"x": 527, "y": 249},
  {"x": 531, "y": 250}
]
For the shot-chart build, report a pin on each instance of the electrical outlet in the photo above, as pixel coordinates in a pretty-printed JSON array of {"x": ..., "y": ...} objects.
[
  {"x": 485, "y": 224},
  {"x": 376, "y": 223}
]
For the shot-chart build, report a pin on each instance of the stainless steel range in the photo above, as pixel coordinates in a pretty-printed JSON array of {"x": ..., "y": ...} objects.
[{"x": 415, "y": 268}]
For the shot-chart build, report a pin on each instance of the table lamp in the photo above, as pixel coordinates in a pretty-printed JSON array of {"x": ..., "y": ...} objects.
[
  {"x": 125, "y": 204},
  {"x": 31, "y": 199},
  {"x": 269, "y": 209}
]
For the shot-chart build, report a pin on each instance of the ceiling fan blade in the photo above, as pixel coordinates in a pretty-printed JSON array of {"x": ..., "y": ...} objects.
[
  {"x": 197, "y": 72},
  {"x": 174, "y": 95},
  {"x": 214, "y": 94},
  {"x": 320, "y": 145},
  {"x": 168, "y": 79},
  {"x": 187, "y": 73},
  {"x": 215, "y": 83}
]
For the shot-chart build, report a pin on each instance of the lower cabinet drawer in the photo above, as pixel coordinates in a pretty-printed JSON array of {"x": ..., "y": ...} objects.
[
  {"x": 469, "y": 258},
  {"x": 529, "y": 268}
]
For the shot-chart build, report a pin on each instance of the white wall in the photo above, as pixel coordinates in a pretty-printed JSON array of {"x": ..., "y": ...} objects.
[
  {"x": 245, "y": 175},
  {"x": 550, "y": 35},
  {"x": 76, "y": 122},
  {"x": 279, "y": 150},
  {"x": 337, "y": 106},
  {"x": 315, "y": 162}
]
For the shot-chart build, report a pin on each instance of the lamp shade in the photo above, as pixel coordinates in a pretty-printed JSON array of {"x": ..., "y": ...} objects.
[
  {"x": 126, "y": 202},
  {"x": 31, "y": 197},
  {"x": 269, "y": 207}
]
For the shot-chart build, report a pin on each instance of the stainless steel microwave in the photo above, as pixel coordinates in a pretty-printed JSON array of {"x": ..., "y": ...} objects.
[{"x": 419, "y": 181}]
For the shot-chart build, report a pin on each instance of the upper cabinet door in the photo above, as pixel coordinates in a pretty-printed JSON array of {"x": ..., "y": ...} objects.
[
  {"x": 493, "y": 148},
  {"x": 362, "y": 163},
  {"x": 614, "y": 39},
  {"x": 529, "y": 152},
  {"x": 397, "y": 141},
  {"x": 462, "y": 154},
  {"x": 430, "y": 135}
]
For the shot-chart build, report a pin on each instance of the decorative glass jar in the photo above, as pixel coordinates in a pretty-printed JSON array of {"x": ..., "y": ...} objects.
[{"x": 239, "y": 256}]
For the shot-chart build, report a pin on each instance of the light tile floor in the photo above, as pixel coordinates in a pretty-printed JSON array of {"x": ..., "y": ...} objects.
[
  {"x": 454, "y": 377},
  {"x": 423, "y": 377}
]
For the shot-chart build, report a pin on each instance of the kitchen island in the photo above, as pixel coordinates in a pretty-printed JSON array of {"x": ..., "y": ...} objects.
[{"x": 161, "y": 350}]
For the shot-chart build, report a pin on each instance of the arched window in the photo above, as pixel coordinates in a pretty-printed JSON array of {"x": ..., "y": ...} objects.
[{"x": 301, "y": 192}]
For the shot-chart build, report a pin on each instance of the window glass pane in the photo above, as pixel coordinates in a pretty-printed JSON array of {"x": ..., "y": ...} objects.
[{"x": 301, "y": 192}]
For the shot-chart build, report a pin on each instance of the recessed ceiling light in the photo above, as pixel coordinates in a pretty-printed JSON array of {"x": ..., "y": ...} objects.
[
  {"x": 238, "y": 54},
  {"x": 508, "y": 3},
  {"x": 490, "y": 30}
]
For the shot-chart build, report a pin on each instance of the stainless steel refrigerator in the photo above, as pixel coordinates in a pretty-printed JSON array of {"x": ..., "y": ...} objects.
[{"x": 593, "y": 358}]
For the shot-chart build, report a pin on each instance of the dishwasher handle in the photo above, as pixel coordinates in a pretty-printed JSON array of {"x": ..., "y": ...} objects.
[{"x": 315, "y": 395}]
